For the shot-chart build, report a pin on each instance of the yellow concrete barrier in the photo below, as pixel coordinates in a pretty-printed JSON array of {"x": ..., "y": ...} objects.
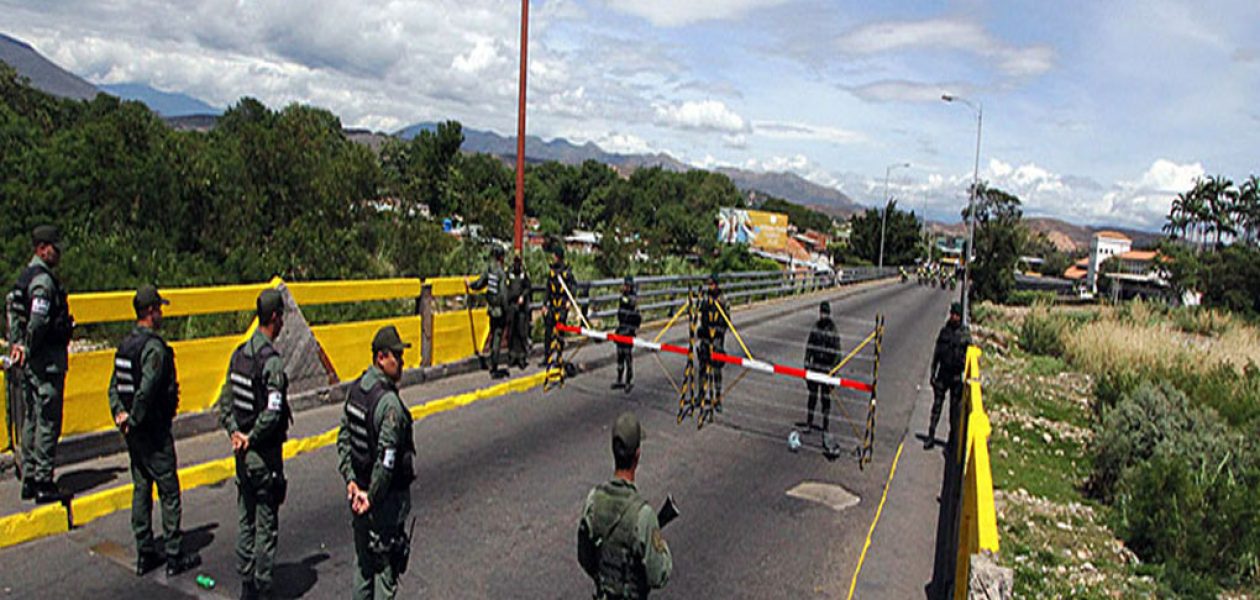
[
  {"x": 349, "y": 345},
  {"x": 977, "y": 524},
  {"x": 4, "y": 405},
  {"x": 51, "y": 520},
  {"x": 41, "y": 522}
]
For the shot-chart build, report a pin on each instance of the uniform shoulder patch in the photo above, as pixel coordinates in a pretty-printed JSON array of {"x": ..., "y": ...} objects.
[{"x": 658, "y": 542}]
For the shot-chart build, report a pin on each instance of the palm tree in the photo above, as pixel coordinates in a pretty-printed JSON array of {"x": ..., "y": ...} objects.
[
  {"x": 1195, "y": 207},
  {"x": 1177, "y": 220},
  {"x": 1221, "y": 201},
  {"x": 1249, "y": 209}
]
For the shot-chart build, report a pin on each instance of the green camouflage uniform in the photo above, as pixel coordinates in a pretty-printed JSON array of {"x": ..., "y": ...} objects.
[
  {"x": 385, "y": 472},
  {"x": 46, "y": 336},
  {"x": 150, "y": 404},
  {"x": 619, "y": 543},
  {"x": 261, "y": 486}
]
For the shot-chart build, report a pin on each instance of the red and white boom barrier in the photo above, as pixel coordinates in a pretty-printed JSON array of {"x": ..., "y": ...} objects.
[{"x": 747, "y": 363}]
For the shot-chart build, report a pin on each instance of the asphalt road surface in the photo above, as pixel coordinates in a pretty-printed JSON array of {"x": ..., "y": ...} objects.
[{"x": 501, "y": 482}]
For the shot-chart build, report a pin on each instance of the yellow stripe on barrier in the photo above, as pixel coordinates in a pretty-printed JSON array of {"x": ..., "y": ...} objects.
[
  {"x": 450, "y": 286},
  {"x": 108, "y": 307},
  {"x": 338, "y": 292},
  {"x": 41, "y": 522},
  {"x": 51, "y": 520},
  {"x": 4, "y": 405}
]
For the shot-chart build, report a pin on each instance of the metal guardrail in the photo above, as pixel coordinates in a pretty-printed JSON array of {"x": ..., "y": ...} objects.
[{"x": 735, "y": 286}]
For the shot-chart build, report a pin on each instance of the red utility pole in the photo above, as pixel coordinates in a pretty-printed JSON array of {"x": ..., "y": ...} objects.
[{"x": 519, "y": 241}]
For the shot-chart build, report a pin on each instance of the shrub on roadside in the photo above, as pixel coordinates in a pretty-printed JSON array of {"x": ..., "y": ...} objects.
[
  {"x": 1030, "y": 298},
  {"x": 1042, "y": 332}
]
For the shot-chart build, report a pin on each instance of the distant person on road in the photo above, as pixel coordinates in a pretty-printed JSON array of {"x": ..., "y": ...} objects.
[
  {"x": 376, "y": 452},
  {"x": 628, "y": 320},
  {"x": 948, "y": 361},
  {"x": 494, "y": 280},
  {"x": 143, "y": 397},
  {"x": 619, "y": 539},
  {"x": 40, "y": 328},
  {"x": 254, "y": 410},
  {"x": 518, "y": 314},
  {"x": 822, "y": 352},
  {"x": 712, "y": 335},
  {"x": 556, "y": 307}
]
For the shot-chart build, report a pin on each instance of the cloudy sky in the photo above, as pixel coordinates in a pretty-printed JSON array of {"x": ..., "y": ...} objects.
[{"x": 1095, "y": 112}]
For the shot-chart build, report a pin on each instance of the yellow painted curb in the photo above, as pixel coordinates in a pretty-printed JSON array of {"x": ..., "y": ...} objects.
[
  {"x": 41, "y": 522},
  {"x": 51, "y": 520}
]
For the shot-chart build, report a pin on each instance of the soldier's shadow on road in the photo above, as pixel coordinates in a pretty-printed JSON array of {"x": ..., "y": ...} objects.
[
  {"x": 295, "y": 579},
  {"x": 199, "y": 538},
  {"x": 82, "y": 480}
]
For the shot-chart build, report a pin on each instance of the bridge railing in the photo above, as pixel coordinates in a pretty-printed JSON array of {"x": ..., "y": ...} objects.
[
  {"x": 977, "y": 517},
  {"x": 445, "y": 326},
  {"x": 201, "y": 363}
]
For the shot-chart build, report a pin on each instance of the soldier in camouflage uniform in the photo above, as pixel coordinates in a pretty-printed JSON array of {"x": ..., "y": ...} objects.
[
  {"x": 254, "y": 410},
  {"x": 40, "y": 327},
  {"x": 494, "y": 282},
  {"x": 619, "y": 536},
  {"x": 376, "y": 453},
  {"x": 143, "y": 397}
]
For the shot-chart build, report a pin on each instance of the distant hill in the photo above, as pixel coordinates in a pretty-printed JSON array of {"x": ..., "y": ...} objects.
[
  {"x": 1067, "y": 237},
  {"x": 788, "y": 186},
  {"x": 166, "y": 104},
  {"x": 43, "y": 73}
]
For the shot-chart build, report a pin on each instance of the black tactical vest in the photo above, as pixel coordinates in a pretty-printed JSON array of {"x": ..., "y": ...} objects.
[
  {"x": 249, "y": 389},
  {"x": 127, "y": 374},
  {"x": 628, "y": 317},
  {"x": 62, "y": 324},
  {"x": 361, "y": 419},
  {"x": 620, "y": 573}
]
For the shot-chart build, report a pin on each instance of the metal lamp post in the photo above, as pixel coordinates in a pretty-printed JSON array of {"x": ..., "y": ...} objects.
[
  {"x": 971, "y": 205},
  {"x": 883, "y": 223}
]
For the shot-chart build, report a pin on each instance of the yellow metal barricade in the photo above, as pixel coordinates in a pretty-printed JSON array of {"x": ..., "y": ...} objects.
[
  {"x": 201, "y": 363},
  {"x": 977, "y": 522}
]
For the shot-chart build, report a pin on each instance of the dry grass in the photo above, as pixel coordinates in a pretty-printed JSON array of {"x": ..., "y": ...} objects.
[{"x": 1138, "y": 336}]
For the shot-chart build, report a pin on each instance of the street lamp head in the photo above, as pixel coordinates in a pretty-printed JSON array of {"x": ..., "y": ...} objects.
[{"x": 947, "y": 97}]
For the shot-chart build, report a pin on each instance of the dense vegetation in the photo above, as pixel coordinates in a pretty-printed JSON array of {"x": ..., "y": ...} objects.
[
  {"x": 284, "y": 192},
  {"x": 1176, "y": 402}
]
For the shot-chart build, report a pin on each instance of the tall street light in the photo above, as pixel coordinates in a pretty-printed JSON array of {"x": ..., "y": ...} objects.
[
  {"x": 883, "y": 223},
  {"x": 971, "y": 205}
]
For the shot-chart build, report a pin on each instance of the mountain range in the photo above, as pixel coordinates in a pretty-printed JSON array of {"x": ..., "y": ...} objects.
[{"x": 185, "y": 112}]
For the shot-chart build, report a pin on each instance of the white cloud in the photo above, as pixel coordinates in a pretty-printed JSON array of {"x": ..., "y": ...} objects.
[
  {"x": 1140, "y": 202},
  {"x": 624, "y": 143},
  {"x": 906, "y": 91},
  {"x": 705, "y": 115},
  {"x": 787, "y": 130},
  {"x": 948, "y": 34},
  {"x": 676, "y": 13}
]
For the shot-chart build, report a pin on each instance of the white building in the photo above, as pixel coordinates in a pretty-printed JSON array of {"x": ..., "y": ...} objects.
[{"x": 1104, "y": 245}]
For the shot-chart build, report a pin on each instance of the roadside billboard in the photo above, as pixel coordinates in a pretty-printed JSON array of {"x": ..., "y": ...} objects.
[{"x": 756, "y": 228}]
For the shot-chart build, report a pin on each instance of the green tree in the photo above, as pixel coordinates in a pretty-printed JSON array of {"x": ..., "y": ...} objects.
[
  {"x": 999, "y": 237},
  {"x": 902, "y": 241}
]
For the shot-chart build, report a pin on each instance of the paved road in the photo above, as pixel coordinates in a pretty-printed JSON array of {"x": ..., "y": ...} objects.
[{"x": 501, "y": 483}]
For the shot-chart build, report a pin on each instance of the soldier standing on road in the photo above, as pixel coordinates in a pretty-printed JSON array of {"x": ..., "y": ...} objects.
[
  {"x": 556, "y": 307},
  {"x": 822, "y": 351},
  {"x": 143, "y": 397},
  {"x": 948, "y": 361},
  {"x": 40, "y": 328},
  {"x": 619, "y": 536},
  {"x": 493, "y": 281},
  {"x": 376, "y": 451},
  {"x": 254, "y": 409},
  {"x": 628, "y": 320},
  {"x": 712, "y": 336},
  {"x": 518, "y": 291}
]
